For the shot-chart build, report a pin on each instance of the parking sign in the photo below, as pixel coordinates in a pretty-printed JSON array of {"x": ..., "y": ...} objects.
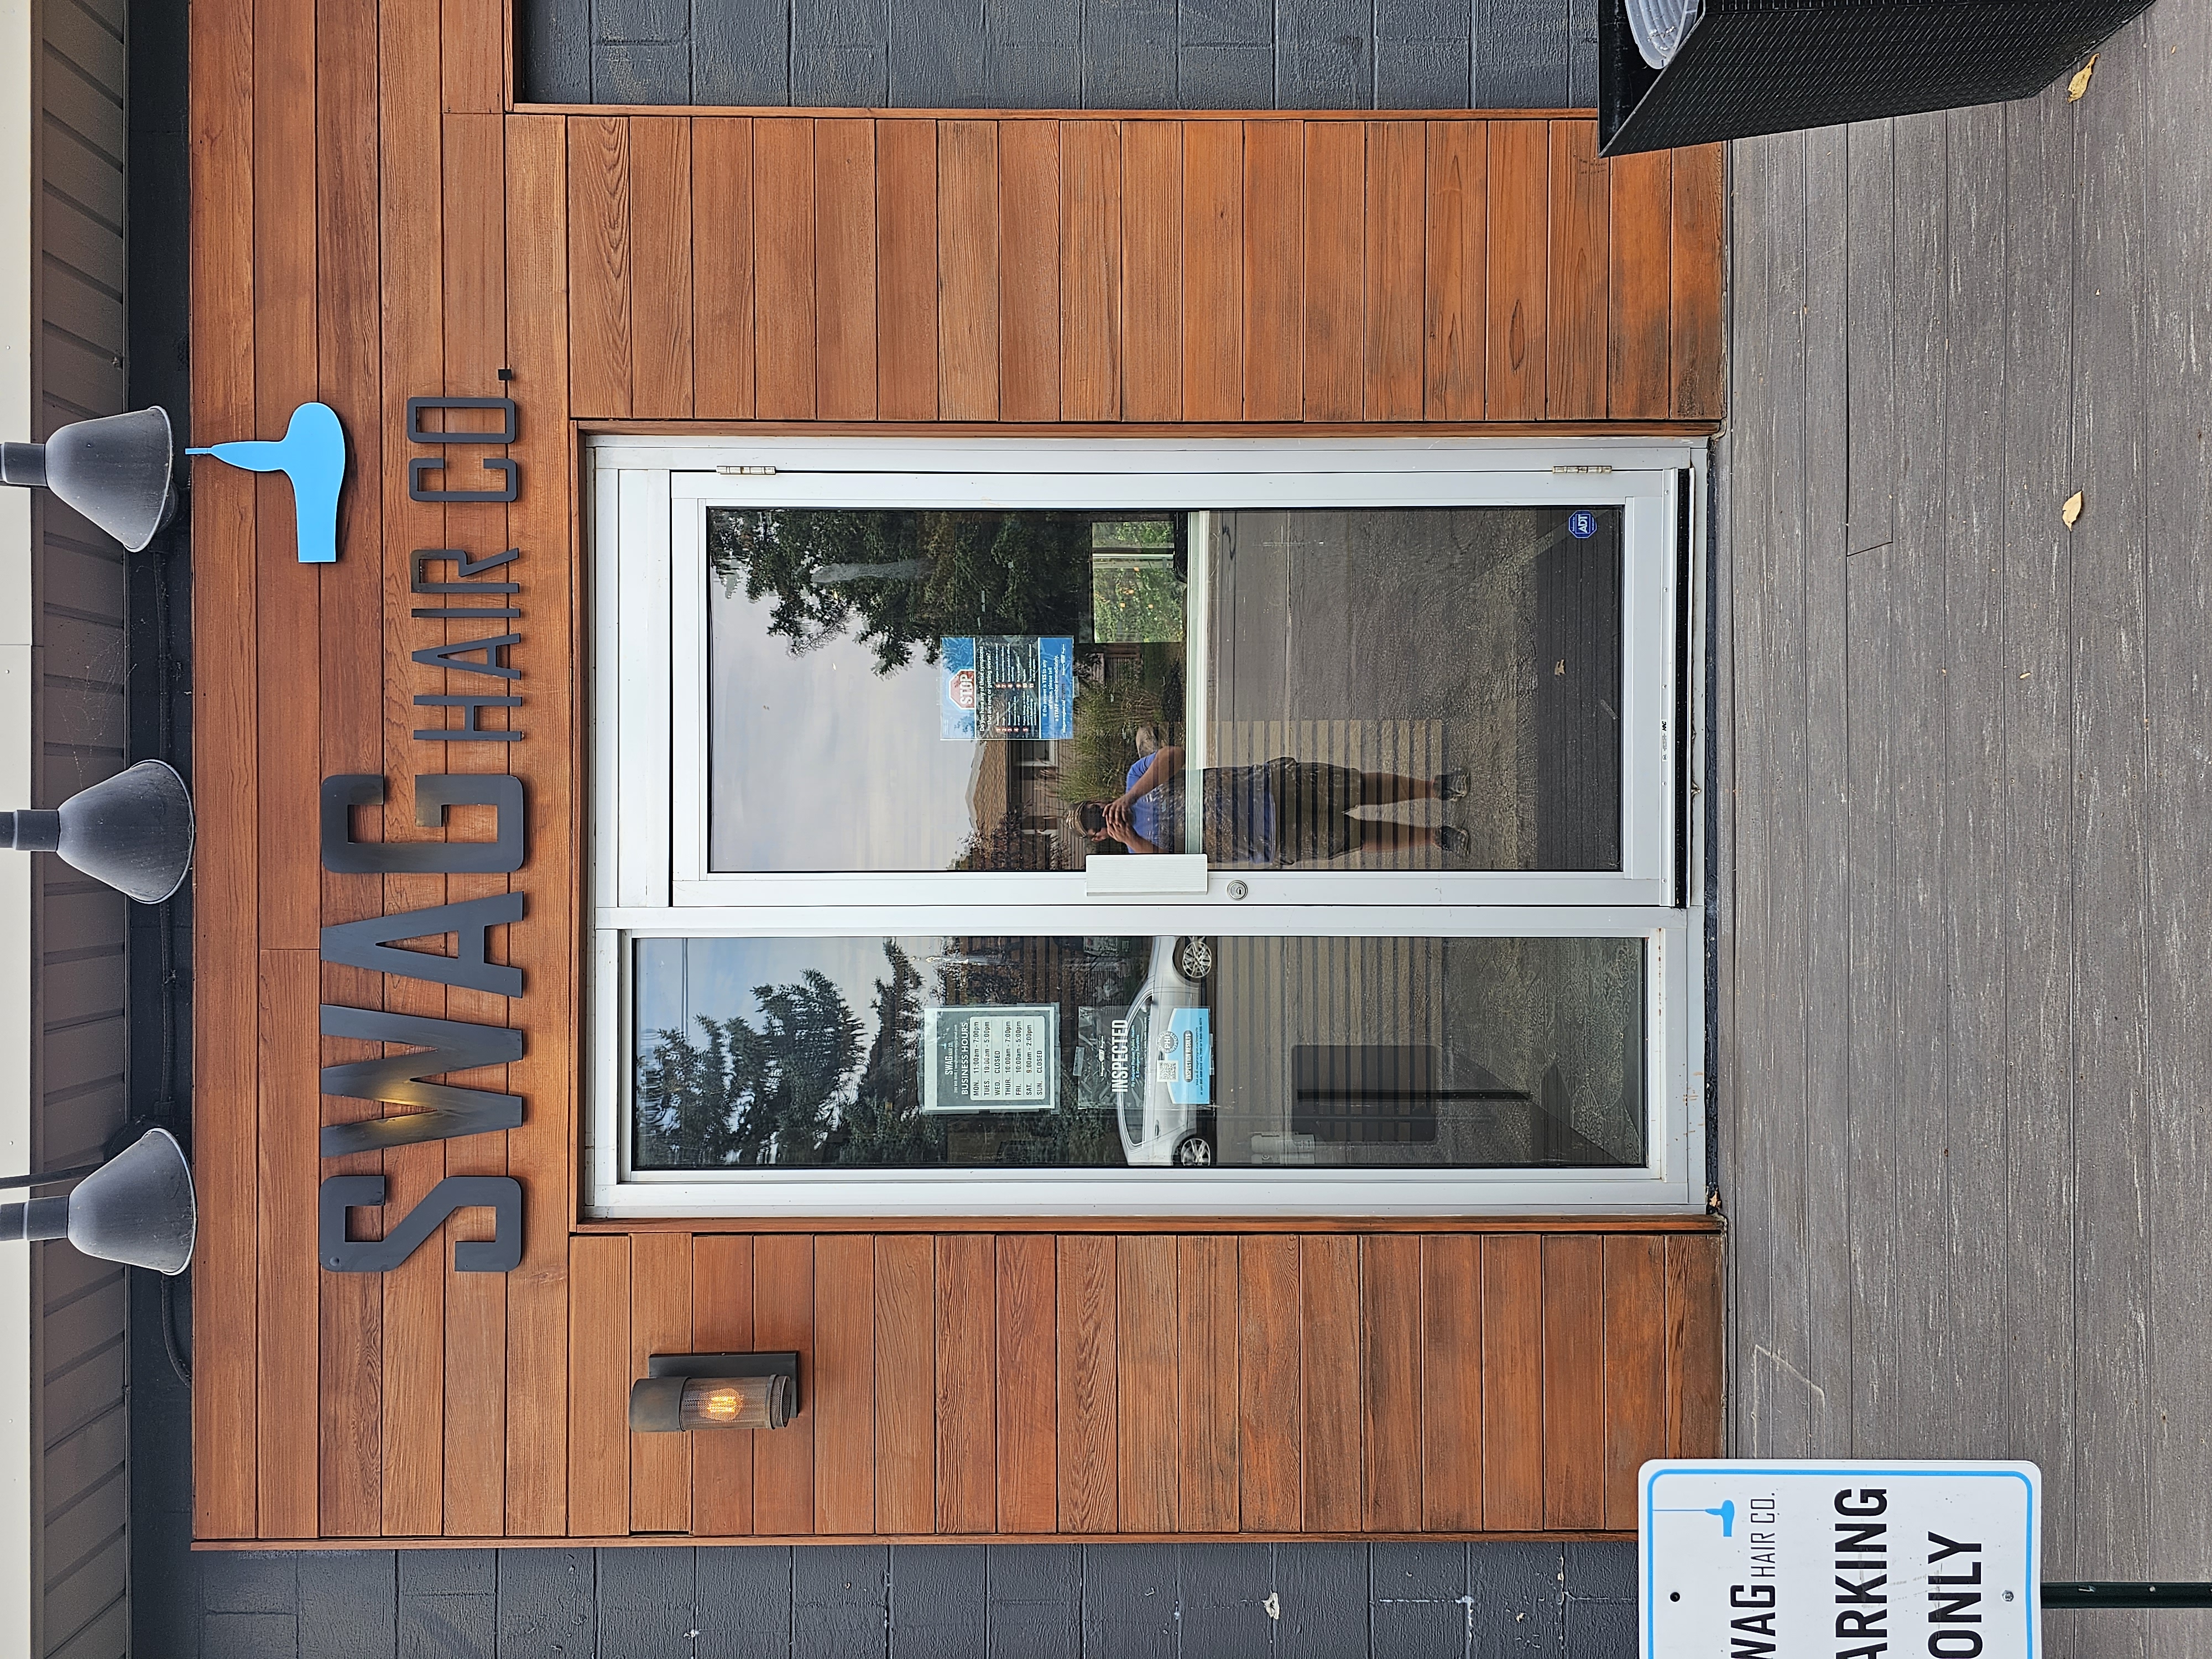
[{"x": 1749, "y": 1559}]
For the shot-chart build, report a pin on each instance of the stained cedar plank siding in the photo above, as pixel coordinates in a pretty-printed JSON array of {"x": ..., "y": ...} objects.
[
  {"x": 543, "y": 1151},
  {"x": 374, "y": 270},
  {"x": 1278, "y": 271},
  {"x": 351, "y": 618},
  {"x": 226, "y": 1019},
  {"x": 1445, "y": 1382},
  {"x": 372, "y": 226}
]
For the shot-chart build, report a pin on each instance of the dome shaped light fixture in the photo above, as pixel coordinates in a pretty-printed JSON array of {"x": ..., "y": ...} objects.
[
  {"x": 137, "y": 1208},
  {"x": 117, "y": 471},
  {"x": 133, "y": 831},
  {"x": 1658, "y": 27}
]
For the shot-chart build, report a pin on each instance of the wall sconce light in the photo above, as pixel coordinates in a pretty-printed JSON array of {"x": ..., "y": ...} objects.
[
  {"x": 133, "y": 832},
  {"x": 115, "y": 471},
  {"x": 681, "y": 1392},
  {"x": 136, "y": 1209}
]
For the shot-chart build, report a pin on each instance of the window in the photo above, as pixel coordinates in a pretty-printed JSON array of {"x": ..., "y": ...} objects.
[{"x": 1141, "y": 827}]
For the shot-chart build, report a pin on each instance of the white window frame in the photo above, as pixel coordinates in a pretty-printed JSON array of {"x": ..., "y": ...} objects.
[
  {"x": 653, "y": 848},
  {"x": 649, "y": 498}
]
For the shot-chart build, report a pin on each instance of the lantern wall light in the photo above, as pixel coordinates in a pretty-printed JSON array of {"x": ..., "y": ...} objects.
[{"x": 682, "y": 1392}]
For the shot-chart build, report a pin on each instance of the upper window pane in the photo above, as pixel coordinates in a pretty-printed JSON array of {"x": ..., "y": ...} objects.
[
  {"x": 1373, "y": 659},
  {"x": 1407, "y": 689},
  {"x": 929, "y": 689}
]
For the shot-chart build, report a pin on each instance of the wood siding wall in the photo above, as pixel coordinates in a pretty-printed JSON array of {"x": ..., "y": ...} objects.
[
  {"x": 1222, "y": 271},
  {"x": 80, "y": 736},
  {"x": 1028, "y": 1384},
  {"x": 370, "y": 224}
]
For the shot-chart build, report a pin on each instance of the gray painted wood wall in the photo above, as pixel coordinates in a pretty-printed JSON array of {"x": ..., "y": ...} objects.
[
  {"x": 1330, "y": 1600},
  {"x": 79, "y": 734},
  {"x": 1063, "y": 54},
  {"x": 1964, "y": 1012}
]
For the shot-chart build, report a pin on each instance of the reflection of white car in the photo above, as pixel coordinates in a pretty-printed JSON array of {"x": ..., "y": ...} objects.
[{"x": 1168, "y": 1040}]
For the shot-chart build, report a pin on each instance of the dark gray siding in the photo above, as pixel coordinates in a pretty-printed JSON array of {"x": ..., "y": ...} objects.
[
  {"x": 159, "y": 1067},
  {"x": 79, "y": 734},
  {"x": 1315, "y": 1600},
  {"x": 1064, "y": 54}
]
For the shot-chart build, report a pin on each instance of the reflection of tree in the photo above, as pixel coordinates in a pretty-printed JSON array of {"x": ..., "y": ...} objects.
[
  {"x": 689, "y": 1095},
  {"x": 884, "y": 1125},
  {"x": 747, "y": 1093},
  {"x": 945, "y": 574},
  {"x": 1145, "y": 688},
  {"x": 1077, "y": 1137},
  {"x": 792, "y": 1086},
  {"x": 1006, "y": 844}
]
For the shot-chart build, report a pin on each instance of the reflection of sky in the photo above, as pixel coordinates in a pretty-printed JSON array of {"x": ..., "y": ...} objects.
[
  {"x": 818, "y": 762},
  {"x": 679, "y": 979}
]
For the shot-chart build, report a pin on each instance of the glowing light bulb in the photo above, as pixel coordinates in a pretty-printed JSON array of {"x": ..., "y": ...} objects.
[
  {"x": 668, "y": 1405},
  {"x": 718, "y": 1403}
]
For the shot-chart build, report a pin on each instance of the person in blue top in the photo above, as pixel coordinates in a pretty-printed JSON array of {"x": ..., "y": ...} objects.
[{"x": 1281, "y": 812}]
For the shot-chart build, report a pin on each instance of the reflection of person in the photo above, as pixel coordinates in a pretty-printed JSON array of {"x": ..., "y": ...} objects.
[{"x": 1281, "y": 811}]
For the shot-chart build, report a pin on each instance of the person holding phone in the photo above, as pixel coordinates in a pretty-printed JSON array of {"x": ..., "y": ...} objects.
[{"x": 1281, "y": 812}]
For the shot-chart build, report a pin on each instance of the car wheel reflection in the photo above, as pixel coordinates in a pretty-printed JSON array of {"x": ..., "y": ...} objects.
[{"x": 1156, "y": 1129}]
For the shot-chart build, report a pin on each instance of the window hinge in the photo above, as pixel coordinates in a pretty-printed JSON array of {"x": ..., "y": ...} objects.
[
  {"x": 1579, "y": 471},
  {"x": 763, "y": 471}
]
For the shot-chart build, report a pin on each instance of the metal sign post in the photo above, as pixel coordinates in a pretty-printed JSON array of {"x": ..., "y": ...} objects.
[{"x": 2163, "y": 1594}]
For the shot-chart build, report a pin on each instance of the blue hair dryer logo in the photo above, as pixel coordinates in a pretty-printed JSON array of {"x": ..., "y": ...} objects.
[
  {"x": 312, "y": 453},
  {"x": 1726, "y": 1512}
]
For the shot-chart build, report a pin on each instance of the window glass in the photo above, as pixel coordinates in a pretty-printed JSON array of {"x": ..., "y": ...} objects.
[
  {"x": 1416, "y": 688},
  {"x": 930, "y": 691},
  {"x": 1108, "y": 1052},
  {"x": 1413, "y": 689}
]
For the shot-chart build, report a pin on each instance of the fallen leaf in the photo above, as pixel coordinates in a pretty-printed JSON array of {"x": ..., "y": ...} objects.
[
  {"x": 2072, "y": 511},
  {"x": 2080, "y": 83}
]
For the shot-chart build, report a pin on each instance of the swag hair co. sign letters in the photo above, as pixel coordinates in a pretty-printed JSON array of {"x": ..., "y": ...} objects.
[{"x": 438, "y": 1111}]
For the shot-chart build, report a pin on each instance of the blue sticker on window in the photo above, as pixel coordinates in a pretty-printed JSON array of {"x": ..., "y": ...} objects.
[
  {"x": 1582, "y": 525},
  {"x": 1187, "y": 1057},
  {"x": 994, "y": 689}
]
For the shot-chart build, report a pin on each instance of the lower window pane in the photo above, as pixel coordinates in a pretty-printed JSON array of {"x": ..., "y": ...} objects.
[{"x": 1109, "y": 1051}]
